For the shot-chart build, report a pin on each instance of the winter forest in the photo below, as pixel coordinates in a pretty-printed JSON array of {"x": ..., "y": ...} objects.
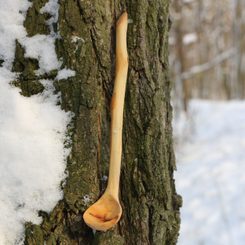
[{"x": 122, "y": 122}]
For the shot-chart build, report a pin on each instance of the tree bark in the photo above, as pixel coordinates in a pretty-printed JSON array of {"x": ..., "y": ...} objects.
[
  {"x": 239, "y": 41},
  {"x": 87, "y": 45}
]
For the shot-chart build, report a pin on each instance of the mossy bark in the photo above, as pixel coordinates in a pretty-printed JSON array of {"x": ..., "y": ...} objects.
[{"x": 87, "y": 45}]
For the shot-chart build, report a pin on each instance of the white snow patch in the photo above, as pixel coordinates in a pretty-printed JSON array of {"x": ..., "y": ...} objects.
[
  {"x": 42, "y": 47},
  {"x": 210, "y": 175},
  {"x": 11, "y": 27},
  {"x": 52, "y": 8},
  {"x": 32, "y": 130},
  {"x": 75, "y": 39},
  {"x": 65, "y": 73},
  {"x": 188, "y": 1},
  {"x": 189, "y": 38},
  {"x": 86, "y": 199}
]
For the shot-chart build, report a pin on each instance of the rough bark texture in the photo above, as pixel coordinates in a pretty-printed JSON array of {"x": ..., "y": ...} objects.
[{"x": 149, "y": 200}]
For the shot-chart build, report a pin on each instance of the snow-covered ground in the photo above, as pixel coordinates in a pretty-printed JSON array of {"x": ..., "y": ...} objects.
[
  {"x": 32, "y": 130},
  {"x": 211, "y": 174}
]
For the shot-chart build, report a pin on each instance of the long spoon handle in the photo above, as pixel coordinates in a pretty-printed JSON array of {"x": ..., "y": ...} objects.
[{"x": 117, "y": 105}]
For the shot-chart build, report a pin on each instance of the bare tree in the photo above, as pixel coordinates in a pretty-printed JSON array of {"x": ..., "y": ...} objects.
[{"x": 207, "y": 49}]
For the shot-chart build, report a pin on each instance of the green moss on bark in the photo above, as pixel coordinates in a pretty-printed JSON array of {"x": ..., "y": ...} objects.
[{"x": 35, "y": 22}]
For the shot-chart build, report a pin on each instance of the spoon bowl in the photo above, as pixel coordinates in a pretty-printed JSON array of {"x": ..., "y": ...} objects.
[{"x": 104, "y": 213}]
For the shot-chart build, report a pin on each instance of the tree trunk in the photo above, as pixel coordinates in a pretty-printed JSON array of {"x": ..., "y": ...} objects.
[
  {"x": 87, "y": 45},
  {"x": 180, "y": 53},
  {"x": 240, "y": 46}
]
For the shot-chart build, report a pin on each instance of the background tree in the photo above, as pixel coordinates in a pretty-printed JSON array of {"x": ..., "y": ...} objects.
[
  {"x": 86, "y": 44},
  {"x": 207, "y": 54}
]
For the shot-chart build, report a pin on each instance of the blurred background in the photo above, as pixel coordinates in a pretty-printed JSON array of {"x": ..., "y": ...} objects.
[{"x": 207, "y": 62}]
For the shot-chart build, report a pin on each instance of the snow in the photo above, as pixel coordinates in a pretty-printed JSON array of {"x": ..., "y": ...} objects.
[
  {"x": 11, "y": 27},
  {"x": 75, "y": 39},
  {"x": 32, "y": 130},
  {"x": 65, "y": 73},
  {"x": 51, "y": 7},
  {"x": 210, "y": 174},
  {"x": 42, "y": 47},
  {"x": 188, "y": 1},
  {"x": 189, "y": 38}
]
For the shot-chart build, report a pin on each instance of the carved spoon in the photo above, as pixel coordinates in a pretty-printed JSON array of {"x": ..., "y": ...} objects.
[{"x": 106, "y": 212}]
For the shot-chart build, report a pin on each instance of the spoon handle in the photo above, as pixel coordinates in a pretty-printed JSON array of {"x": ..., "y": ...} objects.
[{"x": 117, "y": 105}]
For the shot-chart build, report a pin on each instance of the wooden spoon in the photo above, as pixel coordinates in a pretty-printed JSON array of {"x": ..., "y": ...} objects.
[{"x": 106, "y": 212}]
